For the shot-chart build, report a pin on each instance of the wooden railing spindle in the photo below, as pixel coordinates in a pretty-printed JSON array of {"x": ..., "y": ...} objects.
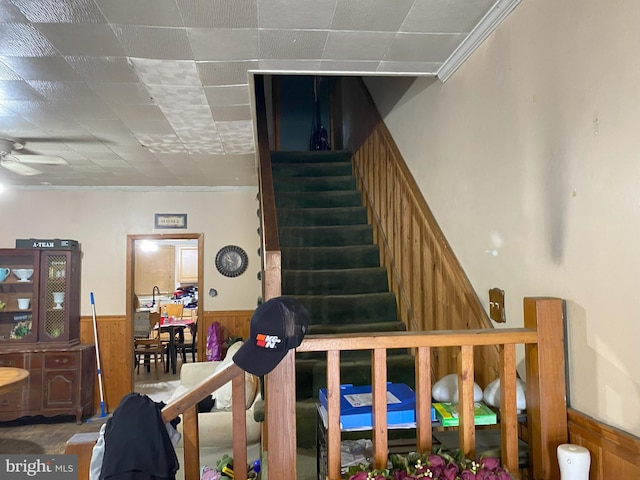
[
  {"x": 379, "y": 406},
  {"x": 467, "y": 429},
  {"x": 508, "y": 413},
  {"x": 423, "y": 399},
  {"x": 239, "y": 414}
]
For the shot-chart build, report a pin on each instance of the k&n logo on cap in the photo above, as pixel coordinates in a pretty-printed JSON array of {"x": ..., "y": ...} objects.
[{"x": 267, "y": 341}]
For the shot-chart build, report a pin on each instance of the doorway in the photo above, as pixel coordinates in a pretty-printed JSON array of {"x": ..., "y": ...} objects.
[{"x": 179, "y": 260}]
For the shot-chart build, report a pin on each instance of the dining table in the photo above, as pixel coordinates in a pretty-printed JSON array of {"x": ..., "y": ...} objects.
[
  {"x": 12, "y": 378},
  {"x": 174, "y": 326}
]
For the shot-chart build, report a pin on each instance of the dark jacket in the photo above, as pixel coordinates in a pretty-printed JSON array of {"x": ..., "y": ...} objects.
[{"x": 137, "y": 444}]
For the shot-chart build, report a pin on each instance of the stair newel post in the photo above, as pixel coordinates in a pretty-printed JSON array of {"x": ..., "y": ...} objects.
[{"x": 547, "y": 414}]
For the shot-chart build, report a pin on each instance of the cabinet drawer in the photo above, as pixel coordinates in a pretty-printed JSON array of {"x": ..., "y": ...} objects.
[
  {"x": 12, "y": 401},
  {"x": 12, "y": 360},
  {"x": 60, "y": 360}
]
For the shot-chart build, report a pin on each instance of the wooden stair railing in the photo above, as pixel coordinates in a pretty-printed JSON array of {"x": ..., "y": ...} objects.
[
  {"x": 543, "y": 338},
  {"x": 187, "y": 406}
]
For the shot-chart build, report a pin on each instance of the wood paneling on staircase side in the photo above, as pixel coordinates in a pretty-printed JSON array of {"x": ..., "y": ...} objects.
[
  {"x": 116, "y": 357},
  {"x": 614, "y": 453},
  {"x": 233, "y": 322},
  {"x": 432, "y": 289}
]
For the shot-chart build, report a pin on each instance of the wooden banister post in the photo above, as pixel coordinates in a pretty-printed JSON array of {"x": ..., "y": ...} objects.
[
  {"x": 546, "y": 389},
  {"x": 281, "y": 419},
  {"x": 191, "y": 442}
]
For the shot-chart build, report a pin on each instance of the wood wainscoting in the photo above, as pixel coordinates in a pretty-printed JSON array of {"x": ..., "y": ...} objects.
[
  {"x": 116, "y": 357},
  {"x": 614, "y": 454},
  {"x": 233, "y": 322}
]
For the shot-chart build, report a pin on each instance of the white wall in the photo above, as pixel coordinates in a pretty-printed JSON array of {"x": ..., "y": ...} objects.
[
  {"x": 532, "y": 150},
  {"x": 101, "y": 220}
]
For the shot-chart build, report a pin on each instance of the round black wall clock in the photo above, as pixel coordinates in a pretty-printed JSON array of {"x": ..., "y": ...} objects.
[{"x": 231, "y": 261}]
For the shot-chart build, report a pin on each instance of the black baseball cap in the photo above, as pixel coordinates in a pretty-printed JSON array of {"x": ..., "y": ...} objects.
[{"x": 277, "y": 326}]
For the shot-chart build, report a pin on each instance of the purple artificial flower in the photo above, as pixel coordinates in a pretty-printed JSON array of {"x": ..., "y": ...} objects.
[
  {"x": 490, "y": 463},
  {"x": 359, "y": 476},
  {"x": 380, "y": 476},
  {"x": 503, "y": 474},
  {"x": 435, "y": 461},
  {"x": 400, "y": 474},
  {"x": 467, "y": 475},
  {"x": 450, "y": 472}
]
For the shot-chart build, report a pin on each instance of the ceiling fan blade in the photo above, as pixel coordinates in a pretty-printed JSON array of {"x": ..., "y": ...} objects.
[
  {"x": 19, "y": 168},
  {"x": 39, "y": 159}
]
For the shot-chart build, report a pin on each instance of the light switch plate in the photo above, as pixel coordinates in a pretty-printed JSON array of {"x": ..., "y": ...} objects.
[{"x": 496, "y": 305}]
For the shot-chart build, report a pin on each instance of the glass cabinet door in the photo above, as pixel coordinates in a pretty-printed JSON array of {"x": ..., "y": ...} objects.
[
  {"x": 54, "y": 296},
  {"x": 19, "y": 270}
]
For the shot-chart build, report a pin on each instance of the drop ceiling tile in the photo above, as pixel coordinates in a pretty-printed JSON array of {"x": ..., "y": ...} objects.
[
  {"x": 144, "y": 119},
  {"x": 151, "y": 42},
  {"x": 178, "y": 95},
  {"x": 348, "y": 66},
  {"x": 104, "y": 69},
  {"x": 9, "y": 13},
  {"x": 225, "y": 73},
  {"x": 23, "y": 40},
  {"x": 231, "y": 113},
  {"x": 357, "y": 45},
  {"x": 16, "y": 126},
  {"x": 416, "y": 47},
  {"x": 161, "y": 143},
  {"x": 6, "y": 71},
  {"x": 246, "y": 160},
  {"x": 111, "y": 163},
  {"x": 160, "y": 13},
  {"x": 70, "y": 91},
  {"x": 290, "y": 65},
  {"x": 224, "y": 43},
  {"x": 128, "y": 93},
  {"x": 42, "y": 68},
  {"x": 227, "y": 95},
  {"x": 237, "y": 137},
  {"x": 82, "y": 39},
  {"x": 110, "y": 131},
  {"x": 18, "y": 90},
  {"x": 219, "y": 13},
  {"x": 370, "y": 15},
  {"x": 57, "y": 11},
  {"x": 307, "y": 14},
  {"x": 82, "y": 109},
  {"x": 412, "y": 68},
  {"x": 166, "y": 72},
  {"x": 445, "y": 16},
  {"x": 292, "y": 44}
]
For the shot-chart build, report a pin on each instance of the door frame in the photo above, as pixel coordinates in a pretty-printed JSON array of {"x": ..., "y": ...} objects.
[{"x": 129, "y": 292}]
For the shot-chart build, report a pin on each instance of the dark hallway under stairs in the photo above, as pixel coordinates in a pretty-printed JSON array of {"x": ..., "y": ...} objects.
[{"x": 331, "y": 264}]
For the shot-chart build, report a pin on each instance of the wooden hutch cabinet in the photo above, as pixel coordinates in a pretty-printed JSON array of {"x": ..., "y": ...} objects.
[{"x": 40, "y": 331}]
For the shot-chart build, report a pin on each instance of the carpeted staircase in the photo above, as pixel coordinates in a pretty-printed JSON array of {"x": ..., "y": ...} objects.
[{"x": 330, "y": 263}]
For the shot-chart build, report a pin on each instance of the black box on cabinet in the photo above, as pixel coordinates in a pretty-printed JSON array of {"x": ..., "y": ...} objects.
[{"x": 47, "y": 244}]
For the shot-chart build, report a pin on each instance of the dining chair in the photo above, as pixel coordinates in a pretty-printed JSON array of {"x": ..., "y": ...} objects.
[
  {"x": 145, "y": 344},
  {"x": 190, "y": 343}
]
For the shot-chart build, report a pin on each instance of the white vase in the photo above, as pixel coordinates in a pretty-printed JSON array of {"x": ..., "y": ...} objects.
[{"x": 574, "y": 462}]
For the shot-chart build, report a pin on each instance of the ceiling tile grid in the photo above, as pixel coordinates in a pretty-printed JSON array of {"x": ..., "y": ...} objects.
[{"x": 157, "y": 92}]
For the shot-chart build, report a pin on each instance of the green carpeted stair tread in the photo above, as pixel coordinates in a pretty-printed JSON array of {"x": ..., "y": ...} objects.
[
  {"x": 326, "y": 236},
  {"x": 318, "y": 217},
  {"x": 313, "y": 184},
  {"x": 357, "y": 308},
  {"x": 334, "y": 282},
  {"x": 310, "y": 258},
  {"x": 339, "y": 329},
  {"x": 326, "y": 199},
  {"x": 310, "y": 156},
  {"x": 296, "y": 170}
]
